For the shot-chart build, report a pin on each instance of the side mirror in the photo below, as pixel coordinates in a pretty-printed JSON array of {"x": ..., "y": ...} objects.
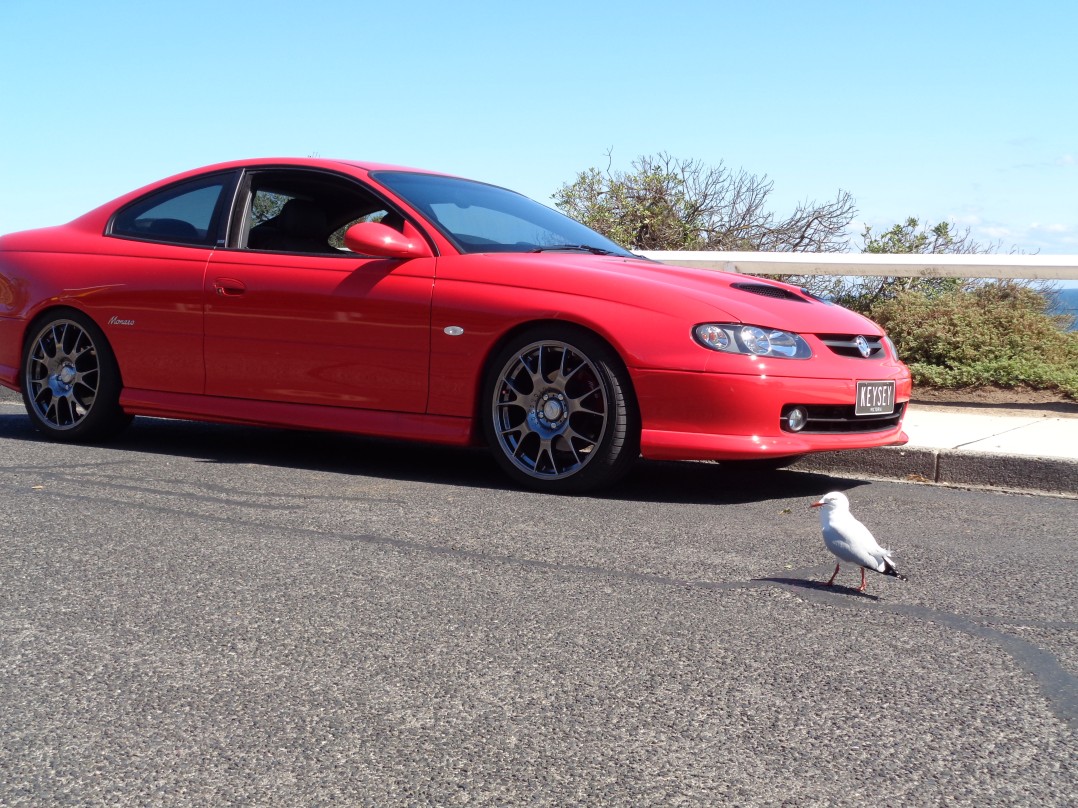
[{"x": 372, "y": 238}]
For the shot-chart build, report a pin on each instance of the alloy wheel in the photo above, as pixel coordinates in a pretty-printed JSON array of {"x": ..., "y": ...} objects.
[
  {"x": 63, "y": 373},
  {"x": 550, "y": 410}
]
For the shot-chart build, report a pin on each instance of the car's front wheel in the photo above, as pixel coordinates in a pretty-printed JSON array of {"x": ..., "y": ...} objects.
[
  {"x": 559, "y": 411},
  {"x": 71, "y": 382}
]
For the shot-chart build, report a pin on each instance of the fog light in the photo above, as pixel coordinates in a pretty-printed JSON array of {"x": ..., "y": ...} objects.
[{"x": 796, "y": 419}]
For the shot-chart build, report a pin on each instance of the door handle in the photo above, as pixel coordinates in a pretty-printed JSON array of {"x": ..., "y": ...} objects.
[{"x": 229, "y": 287}]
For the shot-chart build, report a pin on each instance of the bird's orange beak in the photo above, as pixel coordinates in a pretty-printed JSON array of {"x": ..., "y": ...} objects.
[{"x": 816, "y": 505}]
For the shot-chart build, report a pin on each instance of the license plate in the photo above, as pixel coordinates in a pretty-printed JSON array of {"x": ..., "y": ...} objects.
[{"x": 875, "y": 398}]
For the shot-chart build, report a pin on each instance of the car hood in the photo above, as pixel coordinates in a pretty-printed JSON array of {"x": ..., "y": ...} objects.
[{"x": 700, "y": 295}]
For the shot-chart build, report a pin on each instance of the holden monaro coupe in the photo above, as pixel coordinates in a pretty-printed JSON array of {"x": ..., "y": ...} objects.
[{"x": 375, "y": 300}]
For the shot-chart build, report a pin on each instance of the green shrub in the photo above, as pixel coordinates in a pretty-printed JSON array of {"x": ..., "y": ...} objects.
[{"x": 992, "y": 334}]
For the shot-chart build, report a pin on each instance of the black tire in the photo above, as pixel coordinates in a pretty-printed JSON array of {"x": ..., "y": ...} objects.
[
  {"x": 70, "y": 380},
  {"x": 558, "y": 411}
]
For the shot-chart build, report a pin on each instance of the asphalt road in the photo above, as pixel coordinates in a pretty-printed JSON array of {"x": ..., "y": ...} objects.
[{"x": 202, "y": 615}]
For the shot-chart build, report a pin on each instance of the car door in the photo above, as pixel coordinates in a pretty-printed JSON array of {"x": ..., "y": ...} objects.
[{"x": 343, "y": 331}]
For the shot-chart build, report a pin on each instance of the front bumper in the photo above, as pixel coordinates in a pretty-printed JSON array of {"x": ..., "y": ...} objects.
[{"x": 712, "y": 416}]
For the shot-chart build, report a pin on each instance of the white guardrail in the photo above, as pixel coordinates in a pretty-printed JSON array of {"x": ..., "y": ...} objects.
[{"x": 1031, "y": 267}]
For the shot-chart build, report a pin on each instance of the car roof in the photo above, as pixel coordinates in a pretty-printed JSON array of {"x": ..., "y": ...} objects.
[
  {"x": 307, "y": 162},
  {"x": 93, "y": 219}
]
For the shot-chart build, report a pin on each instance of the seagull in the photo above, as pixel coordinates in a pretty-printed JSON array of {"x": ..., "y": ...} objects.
[{"x": 851, "y": 541}]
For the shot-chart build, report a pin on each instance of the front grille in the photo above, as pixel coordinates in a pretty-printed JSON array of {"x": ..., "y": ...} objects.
[
  {"x": 767, "y": 290},
  {"x": 830, "y": 419},
  {"x": 846, "y": 345}
]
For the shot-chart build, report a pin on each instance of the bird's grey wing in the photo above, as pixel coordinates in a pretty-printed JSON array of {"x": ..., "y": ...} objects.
[
  {"x": 839, "y": 543},
  {"x": 861, "y": 546}
]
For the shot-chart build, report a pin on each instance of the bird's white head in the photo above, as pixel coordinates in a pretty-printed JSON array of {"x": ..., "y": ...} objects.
[{"x": 835, "y": 501}]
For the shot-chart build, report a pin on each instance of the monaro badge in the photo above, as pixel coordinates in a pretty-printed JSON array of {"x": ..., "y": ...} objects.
[{"x": 114, "y": 320}]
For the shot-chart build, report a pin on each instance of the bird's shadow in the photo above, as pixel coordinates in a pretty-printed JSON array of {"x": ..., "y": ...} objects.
[{"x": 820, "y": 587}]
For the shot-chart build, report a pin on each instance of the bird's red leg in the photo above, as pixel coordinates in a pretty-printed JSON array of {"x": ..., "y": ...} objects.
[
  {"x": 833, "y": 576},
  {"x": 861, "y": 588}
]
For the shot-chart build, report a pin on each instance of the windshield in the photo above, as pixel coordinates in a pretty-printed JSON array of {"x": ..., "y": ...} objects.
[{"x": 484, "y": 218}]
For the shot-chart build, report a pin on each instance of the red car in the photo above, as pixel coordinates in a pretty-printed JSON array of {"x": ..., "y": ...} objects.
[{"x": 376, "y": 300}]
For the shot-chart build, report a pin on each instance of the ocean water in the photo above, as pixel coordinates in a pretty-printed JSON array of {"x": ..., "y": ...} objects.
[{"x": 1066, "y": 302}]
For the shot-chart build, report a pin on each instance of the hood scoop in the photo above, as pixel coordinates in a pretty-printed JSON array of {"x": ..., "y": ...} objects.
[{"x": 767, "y": 290}]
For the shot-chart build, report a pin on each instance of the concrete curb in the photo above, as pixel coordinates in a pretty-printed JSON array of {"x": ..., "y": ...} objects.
[{"x": 1057, "y": 476}]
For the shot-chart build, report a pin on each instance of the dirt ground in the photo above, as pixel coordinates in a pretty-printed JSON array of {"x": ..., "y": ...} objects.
[{"x": 996, "y": 398}]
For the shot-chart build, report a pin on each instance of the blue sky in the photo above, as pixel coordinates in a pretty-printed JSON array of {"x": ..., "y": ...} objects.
[{"x": 959, "y": 111}]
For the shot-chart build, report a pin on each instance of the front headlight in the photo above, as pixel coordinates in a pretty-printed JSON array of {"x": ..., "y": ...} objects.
[{"x": 752, "y": 340}]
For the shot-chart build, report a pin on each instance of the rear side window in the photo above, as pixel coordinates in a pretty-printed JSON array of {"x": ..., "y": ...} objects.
[{"x": 187, "y": 213}]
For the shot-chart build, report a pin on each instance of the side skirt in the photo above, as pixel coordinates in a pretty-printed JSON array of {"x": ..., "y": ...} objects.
[{"x": 440, "y": 429}]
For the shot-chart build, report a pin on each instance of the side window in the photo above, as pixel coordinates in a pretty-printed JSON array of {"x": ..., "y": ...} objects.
[
  {"x": 394, "y": 220},
  {"x": 290, "y": 211},
  {"x": 183, "y": 214},
  {"x": 281, "y": 222},
  {"x": 266, "y": 205}
]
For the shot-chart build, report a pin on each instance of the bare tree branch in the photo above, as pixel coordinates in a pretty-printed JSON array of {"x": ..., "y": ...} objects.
[{"x": 668, "y": 203}]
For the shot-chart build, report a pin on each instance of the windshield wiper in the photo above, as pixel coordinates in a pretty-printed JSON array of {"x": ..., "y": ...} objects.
[{"x": 571, "y": 247}]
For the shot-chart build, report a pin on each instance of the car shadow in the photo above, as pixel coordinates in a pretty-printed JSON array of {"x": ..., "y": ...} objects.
[
  {"x": 687, "y": 482},
  {"x": 702, "y": 482}
]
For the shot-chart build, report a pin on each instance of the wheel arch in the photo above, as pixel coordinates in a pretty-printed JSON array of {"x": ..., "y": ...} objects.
[
  {"x": 559, "y": 455},
  {"x": 53, "y": 309},
  {"x": 73, "y": 393},
  {"x": 510, "y": 334}
]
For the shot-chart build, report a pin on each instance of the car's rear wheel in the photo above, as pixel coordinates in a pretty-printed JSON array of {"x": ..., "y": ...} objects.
[
  {"x": 71, "y": 382},
  {"x": 559, "y": 412}
]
